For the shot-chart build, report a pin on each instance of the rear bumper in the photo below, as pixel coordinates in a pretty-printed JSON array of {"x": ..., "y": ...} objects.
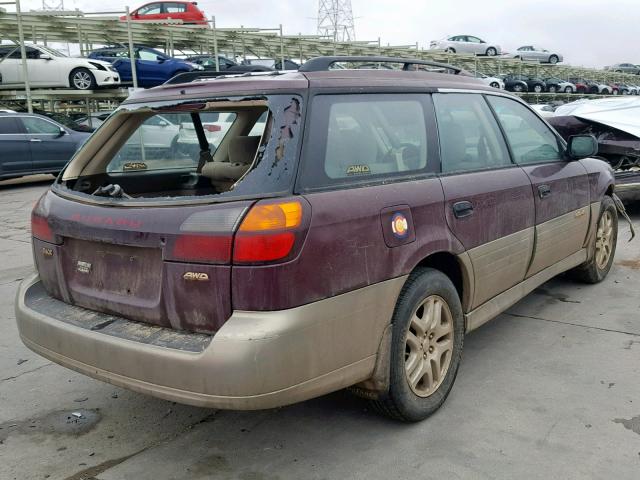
[{"x": 256, "y": 360}]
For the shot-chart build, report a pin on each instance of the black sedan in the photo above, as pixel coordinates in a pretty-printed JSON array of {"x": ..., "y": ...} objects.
[
  {"x": 32, "y": 144},
  {"x": 513, "y": 84}
]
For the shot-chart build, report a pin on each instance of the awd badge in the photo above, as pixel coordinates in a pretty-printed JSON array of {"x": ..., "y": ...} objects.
[
  {"x": 399, "y": 225},
  {"x": 196, "y": 277}
]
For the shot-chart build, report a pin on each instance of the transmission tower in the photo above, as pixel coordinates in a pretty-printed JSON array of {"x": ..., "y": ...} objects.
[
  {"x": 335, "y": 20},
  {"x": 57, "y": 5}
]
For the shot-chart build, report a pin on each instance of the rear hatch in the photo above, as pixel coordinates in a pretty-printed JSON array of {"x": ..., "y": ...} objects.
[{"x": 148, "y": 233}]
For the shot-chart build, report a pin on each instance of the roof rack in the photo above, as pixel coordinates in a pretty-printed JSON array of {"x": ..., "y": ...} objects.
[
  {"x": 322, "y": 64},
  {"x": 197, "y": 75}
]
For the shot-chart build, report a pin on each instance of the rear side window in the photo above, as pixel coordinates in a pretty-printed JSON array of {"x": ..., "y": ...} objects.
[
  {"x": 9, "y": 126},
  {"x": 175, "y": 7},
  {"x": 469, "y": 135},
  {"x": 364, "y": 137},
  {"x": 530, "y": 139}
]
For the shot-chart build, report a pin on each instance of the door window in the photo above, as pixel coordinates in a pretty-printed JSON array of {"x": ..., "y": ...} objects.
[
  {"x": 147, "y": 55},
  {"x": 175, "y": 7},
  {"x": 151, "y": 9},
  {"x": 530, "y": 139},
  {"x": 38, "y": 126},
  {"x": 474, "y": 40},
  {"x": 469, "y": 135},
  {"x": 9, "y": 126}
]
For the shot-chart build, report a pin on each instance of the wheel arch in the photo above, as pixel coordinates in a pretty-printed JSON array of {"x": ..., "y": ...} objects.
[{"x": 459, "y": 270}]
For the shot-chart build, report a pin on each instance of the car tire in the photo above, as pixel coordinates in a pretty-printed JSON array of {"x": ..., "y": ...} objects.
[
  {"x": 518, "y": 88},
  {"x": 615, "y": 91},
  {"x": 495, "y": 85},
  {"x": 553, "y": 89},
  {"x": 538, "y": 88},
  {"x": 604, "y": 245},
  {"x": 553, "y": 59},
  {"x": 426, "y": 342},
  {"x": 568, "y": 90},
  {"x": 82, "y": 79},
  {"x": 491, "y": 52},
  {"x": 449, "y": 50}
]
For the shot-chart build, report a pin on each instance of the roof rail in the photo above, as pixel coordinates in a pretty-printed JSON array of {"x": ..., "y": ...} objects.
[
  {"x": 196, "y": 75},
  {"x": 322, "y": 64}
]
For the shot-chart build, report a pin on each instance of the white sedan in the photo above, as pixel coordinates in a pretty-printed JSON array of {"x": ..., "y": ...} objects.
[
  {"x": 48, "y": 68},
  {"x": 494, "y": 82},
  {"x": 466, "y": 44},
  {"x": 538, "y": 54}
]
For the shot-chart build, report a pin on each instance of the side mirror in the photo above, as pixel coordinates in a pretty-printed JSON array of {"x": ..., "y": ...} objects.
[
  {"x": 162, "y": 123},
  {"x": 160, "y": 59},
  {"x": 61, "y": 132},
  {"x": 44, "y": 56},
  {"x": 582, "y": 146}
]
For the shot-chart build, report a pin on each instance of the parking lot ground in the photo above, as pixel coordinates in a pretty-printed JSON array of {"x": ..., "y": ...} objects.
[{"x": 550, "y": 389}]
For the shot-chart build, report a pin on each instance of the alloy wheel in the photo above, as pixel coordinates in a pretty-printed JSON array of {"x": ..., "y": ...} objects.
[
  {"x": 82, "y": 80},
  {"x": 429, "y": 346},
  {"x": 604, "y": 240}
]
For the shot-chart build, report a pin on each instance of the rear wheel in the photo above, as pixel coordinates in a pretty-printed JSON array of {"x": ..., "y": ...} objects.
[
  {"x": 553, "y": 89},
  {"x": 568, "y": 90},
  {"x": 491, "y": 52},
  {"x": 494, "y": 85},
  {"x": 537, "y": 88},
  {"x": 450, "y": 50},
  {"x": 518, "y": 88},
  {"x": 426, "y": 346},
  {"x": 604, "y": 245},
  {"x": 82, "y": 79}
]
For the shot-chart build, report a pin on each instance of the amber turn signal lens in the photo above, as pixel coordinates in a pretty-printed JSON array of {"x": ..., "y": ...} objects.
[{"x": 277, "y": 216}]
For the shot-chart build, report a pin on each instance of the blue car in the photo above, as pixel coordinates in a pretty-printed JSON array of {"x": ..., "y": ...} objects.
[{"x": 152, "y": 66}]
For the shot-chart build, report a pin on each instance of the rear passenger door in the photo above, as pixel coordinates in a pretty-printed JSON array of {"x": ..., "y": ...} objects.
[
  {"x": 488, "y": 204},
  {"x": 560, "y": 187}
]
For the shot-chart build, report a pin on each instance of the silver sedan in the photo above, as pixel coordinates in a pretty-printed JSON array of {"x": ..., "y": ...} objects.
[{"x": 538, "y": 54}]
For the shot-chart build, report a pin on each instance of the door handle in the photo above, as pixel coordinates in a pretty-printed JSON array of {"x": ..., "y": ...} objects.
[
  {"x": 462, "y": 209},
  {"x": 544, "y": 191},
  {"x": 35, "y": 140}
]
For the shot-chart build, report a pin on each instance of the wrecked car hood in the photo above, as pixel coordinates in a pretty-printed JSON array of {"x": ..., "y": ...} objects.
[{"x": 620, "y": 113}]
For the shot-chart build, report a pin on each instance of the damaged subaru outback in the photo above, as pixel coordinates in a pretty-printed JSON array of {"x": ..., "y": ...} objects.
[{"x": 330, "y": 228}]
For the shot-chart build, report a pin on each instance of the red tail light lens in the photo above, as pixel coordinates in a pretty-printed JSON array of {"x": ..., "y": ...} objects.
[
  {"x": 202, "y": 248},
  {"x": 213, "y": 128},
  {"x": 40, "y": 228},
  {"x": 267, "y": 233}
]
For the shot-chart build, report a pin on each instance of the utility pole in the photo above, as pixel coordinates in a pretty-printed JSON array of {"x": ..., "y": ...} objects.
[{"x": 335, "y": 20}]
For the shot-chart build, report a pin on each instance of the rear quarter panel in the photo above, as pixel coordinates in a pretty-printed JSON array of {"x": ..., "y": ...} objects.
[{"x": 345, "y": 247}]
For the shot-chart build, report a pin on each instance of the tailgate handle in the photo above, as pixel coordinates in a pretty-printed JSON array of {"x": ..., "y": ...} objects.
[
  {"x": 544, "y": 190},
  {"x": 462, "y": 209}
]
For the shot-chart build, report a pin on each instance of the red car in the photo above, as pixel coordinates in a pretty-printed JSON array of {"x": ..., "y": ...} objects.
[{"x": 188, "y": 12}]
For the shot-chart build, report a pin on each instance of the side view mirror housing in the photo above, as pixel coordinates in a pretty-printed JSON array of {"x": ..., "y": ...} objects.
[
  {"x": 61, "y": 132},
  {"x": 162, "y": 123},
  {"x": 160, "y": 59},
  {"x": 582, "y": 146},
  {"x": 44, "y": 56}
]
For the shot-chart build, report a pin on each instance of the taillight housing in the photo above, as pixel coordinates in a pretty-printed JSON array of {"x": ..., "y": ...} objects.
[
  {"x": 40, "y": 228},
  {"x": 269, "y": 232}
]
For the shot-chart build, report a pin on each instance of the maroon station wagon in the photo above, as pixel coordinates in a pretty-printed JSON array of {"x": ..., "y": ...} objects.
[{"x": 277, "y": 237}]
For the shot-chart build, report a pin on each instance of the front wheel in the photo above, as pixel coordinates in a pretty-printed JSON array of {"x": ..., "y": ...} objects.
[
  {"x": 82, "y": 79},
  {"x": 491, "y": 52},
  {"x": 518, "y": 88},
  {"x": 568, "y": 90},
  {"x": 553, "y": 59},
  {"x": 537, "y": 88},
  {"x": 450, "y": 50},
  {"x": 494, "y": 85},
  {"x": 603, "y": 245},
  {"x": 426, "y": 347},
  {"x": 552, "y": 89}
]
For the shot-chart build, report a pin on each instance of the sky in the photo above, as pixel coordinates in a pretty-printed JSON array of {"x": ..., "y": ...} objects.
[{"x": 590, "y": 33}]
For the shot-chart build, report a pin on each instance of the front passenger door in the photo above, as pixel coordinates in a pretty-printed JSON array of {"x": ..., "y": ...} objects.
[
  {"x": 560, "y": 187},
  {"x": 50, "y": 149}
]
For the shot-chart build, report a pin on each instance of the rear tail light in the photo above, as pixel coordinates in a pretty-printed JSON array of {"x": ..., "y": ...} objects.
[
  {"x": 268, "y": 232},
  {"x": 40, "y": 228},
  {"x": 212, "y": 128}
]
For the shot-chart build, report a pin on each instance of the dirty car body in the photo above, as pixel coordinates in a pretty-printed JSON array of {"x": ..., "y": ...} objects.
[{"x": 266, "y": 269}]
